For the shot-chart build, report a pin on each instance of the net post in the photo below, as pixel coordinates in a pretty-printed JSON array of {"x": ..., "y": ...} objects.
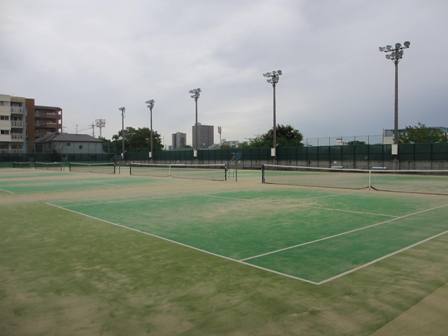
[
  {"x": 130, "y": 168},
  {"x": 263, "y": 174},
  {"x": 225, "y": 172},
  {"x": 370, "y": 179},
  {"x": 69, "y": 166}
]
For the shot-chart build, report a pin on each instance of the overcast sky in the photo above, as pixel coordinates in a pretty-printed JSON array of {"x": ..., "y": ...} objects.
[{"x": 91, "y": 57}]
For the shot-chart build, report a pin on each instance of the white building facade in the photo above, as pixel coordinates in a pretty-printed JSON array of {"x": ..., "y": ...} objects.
[{"x": 13, "y": 116}]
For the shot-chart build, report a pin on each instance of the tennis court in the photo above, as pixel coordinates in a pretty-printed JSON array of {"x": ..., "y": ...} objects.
[
  {"x": 348, "y": 260},
  {"x": 307, "y": 234},
  {"x": 311, "y": 234}
]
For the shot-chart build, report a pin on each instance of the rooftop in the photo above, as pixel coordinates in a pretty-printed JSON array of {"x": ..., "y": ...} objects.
[{"x": 67, "y": 137}]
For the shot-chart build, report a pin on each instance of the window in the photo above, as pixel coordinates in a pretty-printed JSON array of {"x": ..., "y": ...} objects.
[
  {"x": 3, "y": 117},
  {"x": 80, "y": 146},
  {"x": 4, "y": 132},
  {"x": 68, "y": 144},
  {"x": 18, "y": 104}
]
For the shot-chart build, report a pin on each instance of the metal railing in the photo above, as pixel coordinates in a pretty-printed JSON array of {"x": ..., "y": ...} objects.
[
  {"x": 17, "y": 136},
  {"x": 17, "y": 109},
  {"x": 17, "y": 123}
]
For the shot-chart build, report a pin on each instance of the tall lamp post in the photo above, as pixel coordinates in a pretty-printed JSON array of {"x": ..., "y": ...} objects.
[
  {"x": 150, "y": 104},
  {"x": 395, "y": 54},
  {"x": 273, "y": 78},
  {"x": 122, "y": 109},
  {"x": 195, "y": 94}
]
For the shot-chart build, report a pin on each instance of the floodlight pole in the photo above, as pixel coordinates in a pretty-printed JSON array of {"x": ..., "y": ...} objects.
[
  {"x": 150, "y": 104},
  {"x": 396, "y": 135},
  {"x": 274, "y": 109},
  {"x": 122, "y": 109},
  {"x": 395, "y": 54},
  {"x": 273, "y": 78},
  {"x": 195, "y": 94}
]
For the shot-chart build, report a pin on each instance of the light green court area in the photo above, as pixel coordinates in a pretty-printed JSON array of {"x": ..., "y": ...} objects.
[
  {"x": 29, "y": 186},
  {"x": 309, "y": 234},
  {"x": 31, "y": 173}
]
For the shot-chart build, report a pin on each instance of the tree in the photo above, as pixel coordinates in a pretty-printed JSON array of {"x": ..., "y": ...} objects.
[
  {"x": 136, "y": 139},
  {"x": 356, "y": 143},
  {"x": 286, "y": 136},
  {"x": 422, "y": 134}
]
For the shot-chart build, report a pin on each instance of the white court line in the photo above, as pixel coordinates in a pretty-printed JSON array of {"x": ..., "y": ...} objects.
[
  {"x": 275, "y": 201},
  {"x": 344, "y": 233},
  {"x": 182, "y": 244},
  {"x": 7, "y": 191},
  {"x": 353, "y": 211},
  {"x": 382, "y": 258},
  {"x": 309, "y": 205}
]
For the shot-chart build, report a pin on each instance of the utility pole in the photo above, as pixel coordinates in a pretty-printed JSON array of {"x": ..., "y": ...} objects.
[
  {"x": 92, "y": 125},
  {"x": 195, "y": 94},
  {"x": 395, "y": 54},
  {"x": 273, "y": 78},
  {"x": 150, "y": 104},
  {"x": 122, "y": 109},
  {"x": 76, "y": 128},
  {"x": 220, "y": 132}
]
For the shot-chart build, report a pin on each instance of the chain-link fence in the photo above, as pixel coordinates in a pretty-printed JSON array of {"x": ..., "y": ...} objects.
[{"x": 355, "y": 155}]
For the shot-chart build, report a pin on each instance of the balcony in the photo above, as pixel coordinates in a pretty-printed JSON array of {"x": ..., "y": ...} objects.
[
  {"x": 17, "y": 137},
  {"x": 48, "y": 115},
  {"x": 17, "y": 109},
  {"x": 46, "y": 125},
  {"x": 17, "y": 123}
]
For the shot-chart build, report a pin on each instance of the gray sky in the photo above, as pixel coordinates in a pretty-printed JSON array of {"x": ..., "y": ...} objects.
[{"x": 91, "y": 57}]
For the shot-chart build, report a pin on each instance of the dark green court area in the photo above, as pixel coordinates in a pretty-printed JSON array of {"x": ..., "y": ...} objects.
[{"x": 312, "y": 235}]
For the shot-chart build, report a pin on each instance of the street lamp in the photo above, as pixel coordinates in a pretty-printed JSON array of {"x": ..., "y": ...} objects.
[
  {"x": 395, "y": 54},
  {"x": 150, "y": 104},
  {"x": 122, "y": 109},
  {"x": 195, "y": 93},
  {"x": 273, "y": 78}
]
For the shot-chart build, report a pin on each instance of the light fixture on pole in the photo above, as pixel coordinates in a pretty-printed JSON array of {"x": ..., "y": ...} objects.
[
  {"x": 395, "y": 54},
  {"x": 150, "y": 104},
  {"x": 273, "y": 78},
  {"x": 195, "y": 94},
  {"x": 122, "y": 109},
  {"x": 100, "y": 123},
  {"x": 220, "y": 133}
]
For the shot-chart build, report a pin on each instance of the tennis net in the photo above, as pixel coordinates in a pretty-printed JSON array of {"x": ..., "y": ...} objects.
[
  {"x": 434, "y": 182},
  {"x": 57, "y": 166},
  {"x": 99, "y": 168},
  {"x": 315, "y": 176},
  {"x": 215, "y": 172},
  {"x": 408, "y": 181},
  {"x": 23, "y": 164}
]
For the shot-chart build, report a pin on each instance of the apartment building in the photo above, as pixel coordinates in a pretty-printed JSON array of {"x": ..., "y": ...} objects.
[
  {"x": 22, "y": 122},
  {"x": 13, "y": 116}
]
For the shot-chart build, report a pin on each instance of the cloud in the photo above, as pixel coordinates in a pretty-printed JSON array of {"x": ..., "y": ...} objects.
[{"x": 90, "y": 57}]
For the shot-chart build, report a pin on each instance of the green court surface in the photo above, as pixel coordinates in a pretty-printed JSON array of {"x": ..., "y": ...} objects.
[
  {"x": 35, "y": 185},
  {"x": 103, "y": 254},
  {"x": 310, "y": 235}
]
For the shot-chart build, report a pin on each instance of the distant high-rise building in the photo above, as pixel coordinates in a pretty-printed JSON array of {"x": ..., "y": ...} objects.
[
  {"x": 205, "y": 135},
  {"x": 178, "y": 140}
]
